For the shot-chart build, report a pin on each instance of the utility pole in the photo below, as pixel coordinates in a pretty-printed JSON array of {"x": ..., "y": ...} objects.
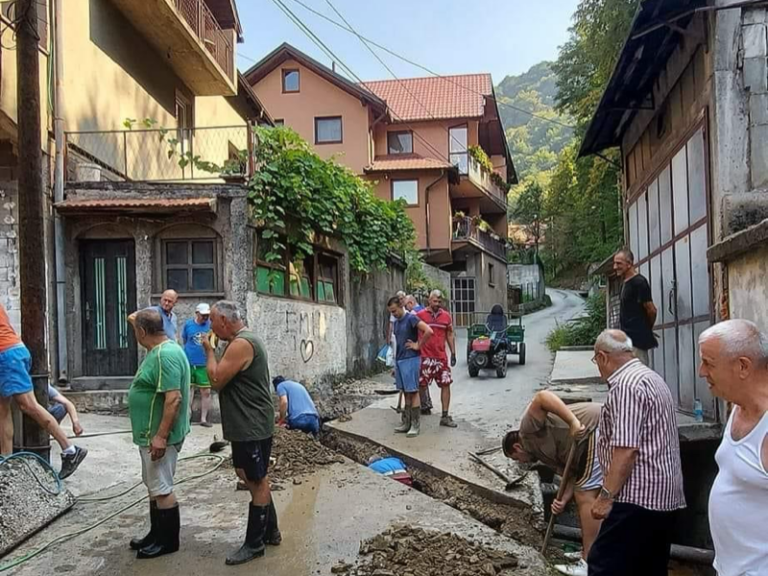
[{"x": 31, "y": 218}]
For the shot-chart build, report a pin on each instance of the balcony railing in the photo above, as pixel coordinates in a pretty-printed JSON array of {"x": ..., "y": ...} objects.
[
  {"x": 157, "y": 155},
  {"x": 206, "y": 27},
  {"x": 481, "y": 178},
  {"x": 465, "y": 231}
]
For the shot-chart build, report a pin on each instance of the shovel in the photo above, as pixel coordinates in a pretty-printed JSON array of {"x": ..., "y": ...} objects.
[{"x": 510, "y": 483}]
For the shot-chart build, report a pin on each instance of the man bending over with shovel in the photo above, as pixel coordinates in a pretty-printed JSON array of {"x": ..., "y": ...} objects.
[{"x": 547, "y": 429}]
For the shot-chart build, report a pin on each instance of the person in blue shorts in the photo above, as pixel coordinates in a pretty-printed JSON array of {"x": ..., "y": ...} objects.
[{"x": 411, "y": 333}]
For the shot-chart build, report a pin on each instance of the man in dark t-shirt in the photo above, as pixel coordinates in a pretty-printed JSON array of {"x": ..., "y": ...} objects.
[{"x": 638, "y": 313}]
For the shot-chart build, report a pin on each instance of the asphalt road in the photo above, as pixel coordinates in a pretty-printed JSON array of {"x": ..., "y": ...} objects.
[{"x": 495, "y": 404}]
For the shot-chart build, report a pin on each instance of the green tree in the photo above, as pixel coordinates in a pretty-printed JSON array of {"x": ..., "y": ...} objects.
[{"x": 529, "y": 211}]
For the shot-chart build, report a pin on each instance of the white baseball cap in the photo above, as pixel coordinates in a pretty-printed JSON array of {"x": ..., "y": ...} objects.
[{"x": 203, "y": 309}]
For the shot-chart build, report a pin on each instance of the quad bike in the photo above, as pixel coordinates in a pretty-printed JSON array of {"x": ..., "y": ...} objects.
[{"x": 488, "y": 350}]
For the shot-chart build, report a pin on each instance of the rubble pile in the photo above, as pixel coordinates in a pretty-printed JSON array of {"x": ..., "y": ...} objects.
[
  {"x": 408, "y": 551},
  {"x": 297, "y": 454},
  {"x": 342, "y": 397}
]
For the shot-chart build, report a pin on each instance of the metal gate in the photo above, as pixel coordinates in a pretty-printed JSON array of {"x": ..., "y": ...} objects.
[
  {"x": 668, "y": 226},
  {"x": 463, "y": 298}
]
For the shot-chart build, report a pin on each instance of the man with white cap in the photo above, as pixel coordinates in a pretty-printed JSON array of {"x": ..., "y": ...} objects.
[{"x": 191, "y": 337}]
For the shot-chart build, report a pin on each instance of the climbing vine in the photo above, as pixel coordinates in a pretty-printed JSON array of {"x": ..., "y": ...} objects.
[{"x": 296, "y": 196}]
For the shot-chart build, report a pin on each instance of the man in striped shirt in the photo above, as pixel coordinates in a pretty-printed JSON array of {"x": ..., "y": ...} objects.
[{"x": 639, "y": 452}]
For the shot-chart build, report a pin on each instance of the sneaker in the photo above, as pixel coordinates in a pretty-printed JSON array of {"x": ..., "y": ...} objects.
[
  {"x": 206, "y": 424},
  {"x": 448, "y": 422},
  {"x": 70, "y": 462},
  {"x": 573, "y": 556},
  {"x": 578, "y": 569}
]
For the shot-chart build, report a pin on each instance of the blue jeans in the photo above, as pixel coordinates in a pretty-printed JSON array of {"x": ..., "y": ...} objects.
[
  {"x": 309, "y": 423},
  {"x": 57, "y": 411}
]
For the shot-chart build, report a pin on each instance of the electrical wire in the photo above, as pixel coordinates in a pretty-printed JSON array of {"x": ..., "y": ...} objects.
[
  {"x": 349, "y": 29},
  {"x": 304, "y": 28},
  {"x": 402, "y": 84},
  {"x": 64, "y": 537}
]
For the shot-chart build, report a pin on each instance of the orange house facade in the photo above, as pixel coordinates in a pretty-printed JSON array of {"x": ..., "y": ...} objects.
[{"x": 438, "y": 143}]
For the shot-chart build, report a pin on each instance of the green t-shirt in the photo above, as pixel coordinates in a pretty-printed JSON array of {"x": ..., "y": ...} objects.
[{"x": 164, "y": 369}]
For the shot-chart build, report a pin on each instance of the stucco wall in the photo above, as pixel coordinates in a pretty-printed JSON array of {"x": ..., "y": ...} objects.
[
  {"x": 318, "y": 98},
  {"x": 367, "y": 315},
  {"x": 439, "y": 206},
  {"x": 432, "y": 136},
  {"x": 304, "y": 341},
  {"x": 486, "y": 294},
  {"x": 746, "y": 287}
]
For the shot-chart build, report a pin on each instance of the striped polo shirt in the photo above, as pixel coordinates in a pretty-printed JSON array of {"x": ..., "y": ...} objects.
[{"x": 640, "y": 413}]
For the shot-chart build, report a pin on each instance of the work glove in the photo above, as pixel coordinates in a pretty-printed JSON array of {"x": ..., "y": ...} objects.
[{"x": 453, "y": 360}]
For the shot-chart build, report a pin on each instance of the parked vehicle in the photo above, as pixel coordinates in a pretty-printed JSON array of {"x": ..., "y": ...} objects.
[{"x": 490, "y": 343}]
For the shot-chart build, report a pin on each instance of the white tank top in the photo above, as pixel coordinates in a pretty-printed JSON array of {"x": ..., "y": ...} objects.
[{"x": 738, "y": 504}]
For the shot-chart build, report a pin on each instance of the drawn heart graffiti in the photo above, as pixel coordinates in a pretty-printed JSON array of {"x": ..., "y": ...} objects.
[{"x": 307, "y": 350}]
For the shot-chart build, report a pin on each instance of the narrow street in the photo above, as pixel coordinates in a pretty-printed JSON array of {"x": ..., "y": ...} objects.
[{"x": 495, "y": 404}]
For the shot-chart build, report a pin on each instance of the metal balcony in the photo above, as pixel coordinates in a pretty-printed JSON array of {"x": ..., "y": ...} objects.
[
  {"x": 190, "y": 40},
  {"x": 476, "y": 182},
  {"x": 466, "y": 233}
]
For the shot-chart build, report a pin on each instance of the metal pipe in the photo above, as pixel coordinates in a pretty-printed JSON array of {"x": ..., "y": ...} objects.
[
  {"x": 678, "y": 552},
  {"x": 58, "y": 192}
]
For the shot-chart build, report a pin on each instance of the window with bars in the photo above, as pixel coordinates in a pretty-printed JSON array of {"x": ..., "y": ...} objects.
[{"x": 190, "y": 265}]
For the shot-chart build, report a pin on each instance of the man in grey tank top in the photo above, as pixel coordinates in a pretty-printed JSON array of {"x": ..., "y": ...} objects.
[{"x": 241, "y": 377}]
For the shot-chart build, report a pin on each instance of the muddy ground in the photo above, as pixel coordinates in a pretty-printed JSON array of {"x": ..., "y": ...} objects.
[{"x": 407, "y": 551}]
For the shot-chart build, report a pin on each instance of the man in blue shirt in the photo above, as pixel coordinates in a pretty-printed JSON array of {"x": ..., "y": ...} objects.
[
  {"x": 59, "y": 407},
  {"x": 192, "y": 336},
  {"x": 170, "y": 322},
  {"x": 408, "y": 363},
  {"x": 296, "y": 407}
]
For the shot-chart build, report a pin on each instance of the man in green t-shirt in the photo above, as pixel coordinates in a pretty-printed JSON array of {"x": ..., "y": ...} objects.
[
  {"x": 158, "y": 402},
  {"x": 241, "y": 377}
]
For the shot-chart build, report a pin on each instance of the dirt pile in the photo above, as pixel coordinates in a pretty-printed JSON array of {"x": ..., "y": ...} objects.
[
  {"x": 342, "y": 397},
  {"x": 408, "y": 551},
  {"x": 297, "y": 454}
]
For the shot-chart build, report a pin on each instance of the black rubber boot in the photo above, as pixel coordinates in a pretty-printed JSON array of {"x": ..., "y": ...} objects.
[
  {"x": 272, "y": 535},
  {"x": 167, "y": 539},
  {"x": 139, "y": 543},
  {"x": 253, "y": 547}
]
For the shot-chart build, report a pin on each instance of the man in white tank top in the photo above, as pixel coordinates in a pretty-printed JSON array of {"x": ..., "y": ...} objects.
[{"x": 734, "y": 360}]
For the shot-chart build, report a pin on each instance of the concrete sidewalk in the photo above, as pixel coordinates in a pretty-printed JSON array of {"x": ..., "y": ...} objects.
[
  {"x": 323, "y": 517},
  {"x": 574, "y": 367}
]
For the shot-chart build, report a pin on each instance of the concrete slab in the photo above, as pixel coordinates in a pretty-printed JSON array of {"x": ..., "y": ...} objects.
[
  {"x": 574, "y": 366},
  {"x": 443, "y": 449},
  {"x": 323, "y": 520}
]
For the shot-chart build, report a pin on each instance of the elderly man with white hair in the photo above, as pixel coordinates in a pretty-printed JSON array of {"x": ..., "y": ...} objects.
[
  {"x": 639, "y": 453},
  {"x": 734, "y": 360}
]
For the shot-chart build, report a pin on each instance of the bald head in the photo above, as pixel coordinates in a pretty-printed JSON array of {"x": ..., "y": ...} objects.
[
  {"x": 168, "y": 300},
  {"x": 612, "y": 341},
  {"x": 738, "y": 339}
]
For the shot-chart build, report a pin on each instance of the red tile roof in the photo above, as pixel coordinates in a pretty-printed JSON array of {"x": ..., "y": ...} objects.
[
  {"x": 406, "y": 162},
  {"x": 444, "y": 97},
  {"x": 138, "y": 204}
]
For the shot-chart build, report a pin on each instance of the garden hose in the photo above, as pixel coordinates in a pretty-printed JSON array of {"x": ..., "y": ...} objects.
[
  {"x": 23, "y": 456},
  {"x": 18, "y": 561}
]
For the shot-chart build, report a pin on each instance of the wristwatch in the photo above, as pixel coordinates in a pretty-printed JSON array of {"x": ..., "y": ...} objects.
[{"x": 606, "y": 494}]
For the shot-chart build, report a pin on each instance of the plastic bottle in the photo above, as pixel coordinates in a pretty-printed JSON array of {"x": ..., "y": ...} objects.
[{"x": 698, "y": 411}]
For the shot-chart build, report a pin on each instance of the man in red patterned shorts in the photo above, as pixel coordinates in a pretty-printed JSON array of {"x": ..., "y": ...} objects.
[{"x": 434, "y": 361}]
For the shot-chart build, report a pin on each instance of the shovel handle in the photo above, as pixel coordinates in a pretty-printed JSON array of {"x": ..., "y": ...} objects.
[{"x": 560, "y": 492}]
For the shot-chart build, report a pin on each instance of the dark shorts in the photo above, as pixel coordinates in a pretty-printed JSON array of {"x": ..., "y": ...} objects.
[
  {"x": 633, "y": 541},
  {"x": 57, "y": 411},
  {"x": 252, "y": 457}
]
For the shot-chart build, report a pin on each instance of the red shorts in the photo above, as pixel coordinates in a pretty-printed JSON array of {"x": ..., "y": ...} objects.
[{"x": 437, "y": 370}]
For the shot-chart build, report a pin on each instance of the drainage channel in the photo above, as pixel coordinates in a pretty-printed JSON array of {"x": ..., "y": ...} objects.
[{"x": 497, "y": 511}]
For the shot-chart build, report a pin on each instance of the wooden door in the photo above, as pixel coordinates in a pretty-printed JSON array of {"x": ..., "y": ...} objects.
[{"x": 108, "y": 274}]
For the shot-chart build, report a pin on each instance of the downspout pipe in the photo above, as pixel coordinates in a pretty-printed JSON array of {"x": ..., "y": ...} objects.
[
  {"x": 58, "y": 190},
  {"x": 426, "y": 205}
]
